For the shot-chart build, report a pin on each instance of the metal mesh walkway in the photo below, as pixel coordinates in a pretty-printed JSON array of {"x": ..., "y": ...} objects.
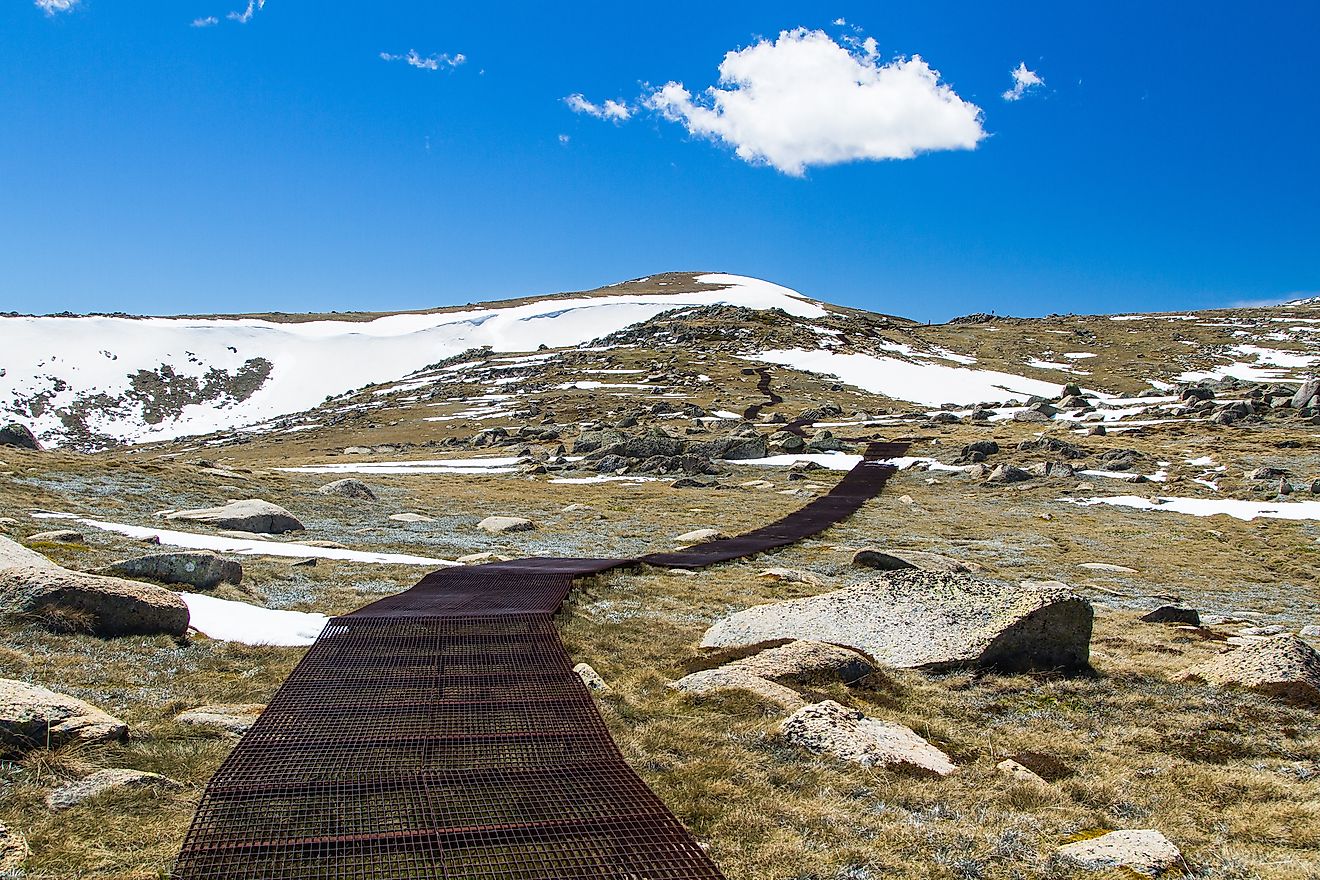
[{"x": 442, "y": 733}]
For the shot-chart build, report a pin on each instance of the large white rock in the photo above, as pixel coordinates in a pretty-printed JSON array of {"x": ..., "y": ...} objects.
[
  {"x": 1283, "y": 667},
  {"x": 32, "y": 717},
  {"x": 731, "y": 678},
  {"x": 103, "y": 781},
  {"x": 1145, "y": 852},
  {"x": 498, "y": 525},
  {"x": 849, "y": 735},
  {"x": 929, "y": 620},
  {"x": 246, "y": 515}
]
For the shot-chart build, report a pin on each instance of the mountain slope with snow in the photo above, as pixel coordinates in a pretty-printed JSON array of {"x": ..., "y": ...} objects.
[{"x": 89, "y": 381}]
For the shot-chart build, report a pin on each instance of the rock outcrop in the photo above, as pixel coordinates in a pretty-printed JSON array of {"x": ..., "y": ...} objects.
[
  {"x": 18, "y": 435},
  {"x": 101, "y": 782},
  {"x": 848, "y": 735},
  {"x": 199, "y": 569},
  {"x": 930, "y": 620},
  {"x": 762, "y": 673},
  {"x": 33, "y": 717},
  {"x": 1283, "y": 667},
  {"x": 732, "y": 678},
  {"x": 231, "y": 718},
  {"x": 30, "y": 584},
  {"x": 896, "y": 560},
  {"x": 246, "y": 515}
]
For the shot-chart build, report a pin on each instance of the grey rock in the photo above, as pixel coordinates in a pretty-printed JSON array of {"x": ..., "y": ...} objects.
[
  {"x": 60, "y": 536},
  {"x": 895, "y": 560},
  {"x": 804, "y": 661},
  {"x": 199, "y": 568},
  {"x": 1144, "y": 852},
  {"x": 1007, "y": 473},
  {"x": 103, "y": 781},
  {"x": 1305, "y": 396},
  {"x": 63, "y": 599},
  {"x": 793, "y": 576},
  {"x": 411, "y": 518},
  {"x": 247, "y": 515},
  {"x": 15, "y": 434},
  {"x": 498, "y": 525},
  {"x": 349, "y": 488},
  {"x": 698, "y": 536},
  {"x": 590, "y": 677},
  {"x": 1174, "y": 614},
  {"x": 929, "y": 620},
  {"x": 709, "y": 681},
  {"x": 1265, "y": 473},
  {"x": 848, "y": 735},
  {"x": 33, "y": 717},
  {"x": 230, "y": 718},
  {"x": 1283, "y": 667}
]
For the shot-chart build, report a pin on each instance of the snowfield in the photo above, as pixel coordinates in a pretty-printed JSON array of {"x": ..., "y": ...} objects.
[{"x": 109, "y": 369}]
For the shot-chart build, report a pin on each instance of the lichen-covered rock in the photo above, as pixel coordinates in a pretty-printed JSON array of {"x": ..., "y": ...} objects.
[
  {"x": 103, "y": 781},
  {"x": 803, "y": 661},
  {"x": 896, "y": 560},
  {"x": 590, "y": 677},
  {"x": 793, "y": 576},
  {"x": 498, "y": 525},
  {"x": 231, "y": 718},
  {"x": 1283, "y": 667},
  {"x": 200, "y": 569},
  {"x": 246, "y": 515},
  {"x": 349, "y": 488},
  {"x": 1173, "y": 614},
  {"x": 850, "y": 736},
  {"x": 929, "y": 620},
  {"x": 1145, "y": 852},
  {"x": 33, "y": 717},
  {"x": 30, "y": 584},
  {"x": 698, "y": 536}
]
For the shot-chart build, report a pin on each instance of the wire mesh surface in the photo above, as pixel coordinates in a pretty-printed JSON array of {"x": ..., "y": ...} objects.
[{"x": 442, "y": 732}]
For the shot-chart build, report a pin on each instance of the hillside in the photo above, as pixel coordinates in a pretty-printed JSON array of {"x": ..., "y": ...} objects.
[{"x": 1129, "y": 462}]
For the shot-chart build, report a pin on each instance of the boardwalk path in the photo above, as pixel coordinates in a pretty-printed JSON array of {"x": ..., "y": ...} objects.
[{"x": 442, "y": 733}]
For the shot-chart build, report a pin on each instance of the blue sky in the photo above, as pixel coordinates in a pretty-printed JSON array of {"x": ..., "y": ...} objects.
[{"x": 1168, "y": 161}]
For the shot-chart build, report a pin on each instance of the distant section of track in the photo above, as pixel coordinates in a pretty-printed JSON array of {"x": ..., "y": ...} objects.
[{"x": 442, "y": 733}]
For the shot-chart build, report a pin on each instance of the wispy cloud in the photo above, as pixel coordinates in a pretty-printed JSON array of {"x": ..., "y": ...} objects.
[
  {"x": 615, "y": 111},
  {"x": 805, "y": 100},
  {"x": 1023, "y": 80},
  {"x": 253, "y": 7},
  {"x": 440, "y": 61},
  {"x": 205, "y": 22},
  {"x": 50, "y": 7}
]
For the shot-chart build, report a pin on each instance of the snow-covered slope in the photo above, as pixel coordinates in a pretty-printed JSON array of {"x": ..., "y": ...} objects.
[{"x": 97, "y": 379}]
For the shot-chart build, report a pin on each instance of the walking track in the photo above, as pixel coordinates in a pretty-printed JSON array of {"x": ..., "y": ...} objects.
[{"x": 442, "y": 733}]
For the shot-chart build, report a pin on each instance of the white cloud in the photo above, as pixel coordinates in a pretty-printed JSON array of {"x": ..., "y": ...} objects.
[
  {"x": 253, "y": 7},
  {"x": 1023, "y": 80},
  {"x": 427, "y": 62},
  {"x": 50, "y": 7},
  {"x": 564, "y": 139},
  {"x": 205, "y": 22},
  {"x": 616, "y": 111},
  {"x": 806, "y": 100}
]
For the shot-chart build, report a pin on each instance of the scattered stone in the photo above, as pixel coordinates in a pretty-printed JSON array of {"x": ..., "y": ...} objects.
[
  {"x": 1145, "y": 852},
  {"x": 32, "y": 717},
  {"x": 757, "y": 484},
  {"x": 477, "y": 558},
  {"x": 231, "y": 718},
  {"x": 247, "y": 515},
  {"x": 349, "y": 488},
  {"x": 850, "y": 736},
  {"x": 895, "y": 560},
  {"x": 59, "y": 536},
  {"x": 1177, "y": 614},
  {"x": 1305, "y": 396},
  {"x": 1018, "y": 773},
  {"x": 498, "y": 525},
  {"x": 199, "y": 569},
  {"x": 1283, "y": 667},
  {"x": 410, "y": 518},
  {"x": 1107, "y": 566},
  {"x": 1311, "y": 631},
  {"x": 731, "y": 678},
  {"x": 929, "y": 620},
  {"x": 73, "y": 600},
  {"x": 13, "y": 850},
  {"x": 15, "y": 434},
  {"x": 1265, "y": 473},
  {"x": 699, "y": 536},
  {"x": 103, "y": 781},
  {"x": 306, "y": 562},
  {"x": 1007, "y": 473},
  {"x": 1055, "y": 469},
  {"x": 590, "y": 677},
  {"x": 793, "y": 576}
]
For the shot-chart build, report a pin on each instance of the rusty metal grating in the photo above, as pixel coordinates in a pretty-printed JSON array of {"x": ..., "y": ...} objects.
[{"x": 442, "y": 733}]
